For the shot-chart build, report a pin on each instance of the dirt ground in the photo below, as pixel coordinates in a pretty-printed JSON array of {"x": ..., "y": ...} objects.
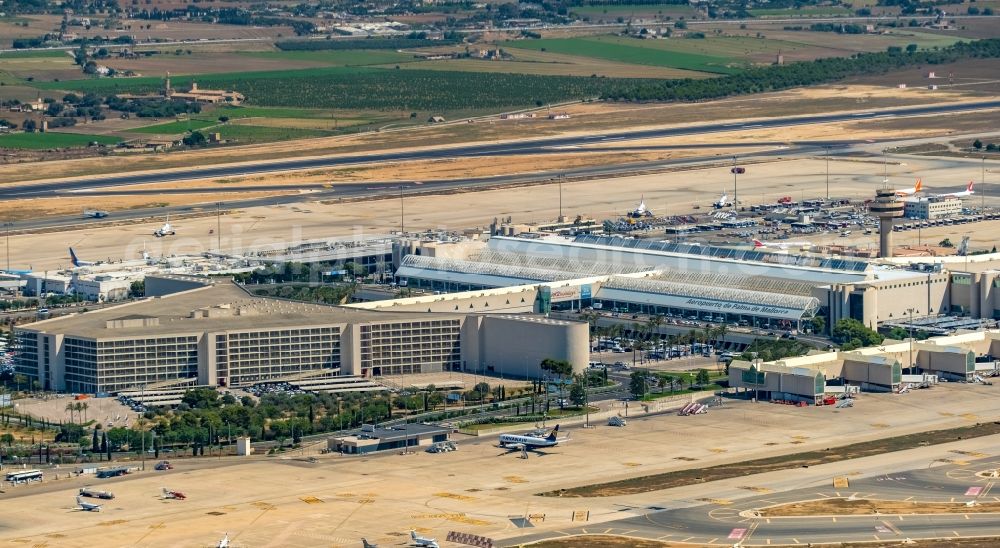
[
  {"x": 586, "y": 119},
  {"x": 601, "y": 541},
  {"x": 287, "y": 501},
  {"x": 644, "y": 484},
  {"x": 36, "y": 207},
  {"x": 864, "y": 507},
  {"x": 664, "y": 193}
]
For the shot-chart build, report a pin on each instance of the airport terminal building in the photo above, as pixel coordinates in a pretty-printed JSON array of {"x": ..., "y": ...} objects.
[
  {"x": 716, "y": 284},
  {"x": 215, "y": 332}
]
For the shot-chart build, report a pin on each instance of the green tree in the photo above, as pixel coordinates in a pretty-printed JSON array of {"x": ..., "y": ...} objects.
[
  {"x": 578, "y": 392},
  {"x": 638, "y": 384},
  {"x": 702, "y": 377},
  {"x": 819, "y": 324},
  {"x": 977, "y": 144},
  {"x": 851, "y": 331}
]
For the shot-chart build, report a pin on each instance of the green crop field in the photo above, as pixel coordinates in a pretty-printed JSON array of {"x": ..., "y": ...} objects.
[
  {"x": 733, "y": 49},
  {"x": 262, "y": 134},
  {"x": 33, "y": 53},
  {"x": 273, "y": 112},
  {"x": 339, "y": 58},
  {"x": 629, "y": 50},
  {"x": 38, "y": 141},
  {"x": 807, "y": 11},
  {"x": 363, "y": 88},
  {"x": 176, "y": 127},
  {"x": 633, "y": 9}
]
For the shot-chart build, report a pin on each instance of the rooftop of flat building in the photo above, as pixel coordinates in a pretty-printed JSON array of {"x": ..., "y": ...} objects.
[{"x": 222, "y": 306}]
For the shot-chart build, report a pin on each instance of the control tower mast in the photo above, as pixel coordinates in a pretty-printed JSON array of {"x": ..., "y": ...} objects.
[{"x": 886, "y": 207}]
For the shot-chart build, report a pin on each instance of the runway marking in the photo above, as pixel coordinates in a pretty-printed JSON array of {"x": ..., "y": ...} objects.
[
  {"x": 795, "y": 540},
  {"x": 713, "y": 540},
  {"x": 768, "y": 520},
  {"x": 987, "y": 489},
  {"x": 891, "y": 527},
  {"x": 823, "y": 495},
  {"x": 907, "y": 499},
  {"x": 768, "y": 542},
  {"x": 973, "y": 491},
  {"x": 956, "y": 533},
  {"x": 967, "y": 516},
  {"x": 876, "y": 537},
  {"x": 606, "y": 531},
  {"x": 687, "y": 539},
  {"x": 834, "y": 520}
]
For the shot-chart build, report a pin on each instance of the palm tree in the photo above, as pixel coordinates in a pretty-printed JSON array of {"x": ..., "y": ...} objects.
[
  {"x": 78, "y": 407},
  {"x": 69, "y": 407},
  {"x": 85, "y": 406}
]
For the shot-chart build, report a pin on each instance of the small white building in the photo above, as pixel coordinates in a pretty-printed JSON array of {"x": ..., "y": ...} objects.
[{"x": 932, "y": 208}]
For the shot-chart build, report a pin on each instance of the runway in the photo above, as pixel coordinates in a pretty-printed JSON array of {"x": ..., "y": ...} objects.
[
  {"x": 726, "y": 522},
  {"x": 377, "y": 189},
  {"x": 537, "y": 146}
]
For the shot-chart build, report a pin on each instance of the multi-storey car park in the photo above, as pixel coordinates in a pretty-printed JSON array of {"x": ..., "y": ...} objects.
[{"x": 215, "y": 333}]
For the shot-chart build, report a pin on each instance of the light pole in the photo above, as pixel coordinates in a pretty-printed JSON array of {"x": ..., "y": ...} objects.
[
  {"x": 827, "y": 147},
  {"x": 7, "y": 225},
  {"x": 401, "y": 228},
  {"x": 218, "y": 226},
  {"x": 982, "y": 187},
  {"x": 735, "y": 196}
]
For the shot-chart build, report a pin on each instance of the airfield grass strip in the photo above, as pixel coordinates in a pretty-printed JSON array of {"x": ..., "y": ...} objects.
[{"x": 679, "y": 478}]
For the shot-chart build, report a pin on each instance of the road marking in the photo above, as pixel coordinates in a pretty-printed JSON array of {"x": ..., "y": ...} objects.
[
  {"x": 664, "y": 537},
  {"x": 972, "y": 492},
  {"x": 768, "y": 520},
  {"x": 796, "y": 540},
  {"x": 768, "y": 542},
  {"x": 606, "y": 531},
  {"x": 907, "y": 499},
  {"x": 956, "y": 533},
  {"x": 834, "y": 520},
  {"x": 713, "y": 540},
  {"x": 737, "y": 534},
  {"x": 823, "y": 495},
  {"x": 967, "y": 516},
  {"x": 686, "y": 539},
  {"x": 987, "y": 490}
]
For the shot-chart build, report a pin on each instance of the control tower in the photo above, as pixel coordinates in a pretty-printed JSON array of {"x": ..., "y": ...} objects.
[{"x": 886, "y": 207}]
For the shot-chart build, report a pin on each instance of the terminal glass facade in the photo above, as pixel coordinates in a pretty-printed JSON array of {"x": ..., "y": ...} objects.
[
  {"x": 411, "y": 347},
  {"x": 249, "y": 357}
]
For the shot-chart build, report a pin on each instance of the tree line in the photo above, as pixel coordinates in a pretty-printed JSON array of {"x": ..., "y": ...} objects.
[{"x": 806, "y": 73}]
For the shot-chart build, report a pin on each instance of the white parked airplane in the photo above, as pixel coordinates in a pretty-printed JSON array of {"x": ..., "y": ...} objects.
[
  {"x": 87, "y": 506},
  {"x": 722, "y": 202},
  {"x": 757, "y": 244},
  {"x": 168, "y": 494},
  {"x": 422, "y": 541},
  {"x": 76, "y": 260},
  {"x": 224, "y": 543},
  {"x": 919, "y": 187},
  {"x": 165, "y": 230},
  {"x": 517, "y": 442},
  {"x": 641, "y": 210},
  {"x": 967, "y": 192}
]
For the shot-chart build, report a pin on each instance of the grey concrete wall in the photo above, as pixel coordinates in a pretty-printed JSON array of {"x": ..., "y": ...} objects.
[{"x": 517, "y": 347}]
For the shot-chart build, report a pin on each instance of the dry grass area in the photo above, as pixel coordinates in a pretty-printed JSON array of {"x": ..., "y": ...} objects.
[
  {"x": 587, "y": 119},
  {"x": 645, "y": 484},
  {"x": 205, "y": 63},
  {"x": 64, "y": 206},
  {"x": 602, "y": 541},
  {"x": 605, "y": 541},
  {"x": 865, "y": 507}
]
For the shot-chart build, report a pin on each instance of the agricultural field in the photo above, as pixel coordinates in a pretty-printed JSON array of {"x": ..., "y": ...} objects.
[
  {"x": 39, "y": 65},
  {"x": 40, "y": 141},
  {"x": 609, "y": 12},
  {"x": 337, "y": 58},
  {"x": 627, "y": 50},
  {"x": 176, "y": 127},
  {"x": 805, "y": 11},
  {"x": 245, "y": 134},
  {"x": 373, "y": 89}
]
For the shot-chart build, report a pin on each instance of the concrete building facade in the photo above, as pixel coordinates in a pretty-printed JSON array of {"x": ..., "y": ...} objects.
[{"x": 220, "y": 335}]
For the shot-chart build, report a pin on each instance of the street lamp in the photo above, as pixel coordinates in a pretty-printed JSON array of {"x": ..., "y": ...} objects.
[{"x": 827, "y": 147}]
